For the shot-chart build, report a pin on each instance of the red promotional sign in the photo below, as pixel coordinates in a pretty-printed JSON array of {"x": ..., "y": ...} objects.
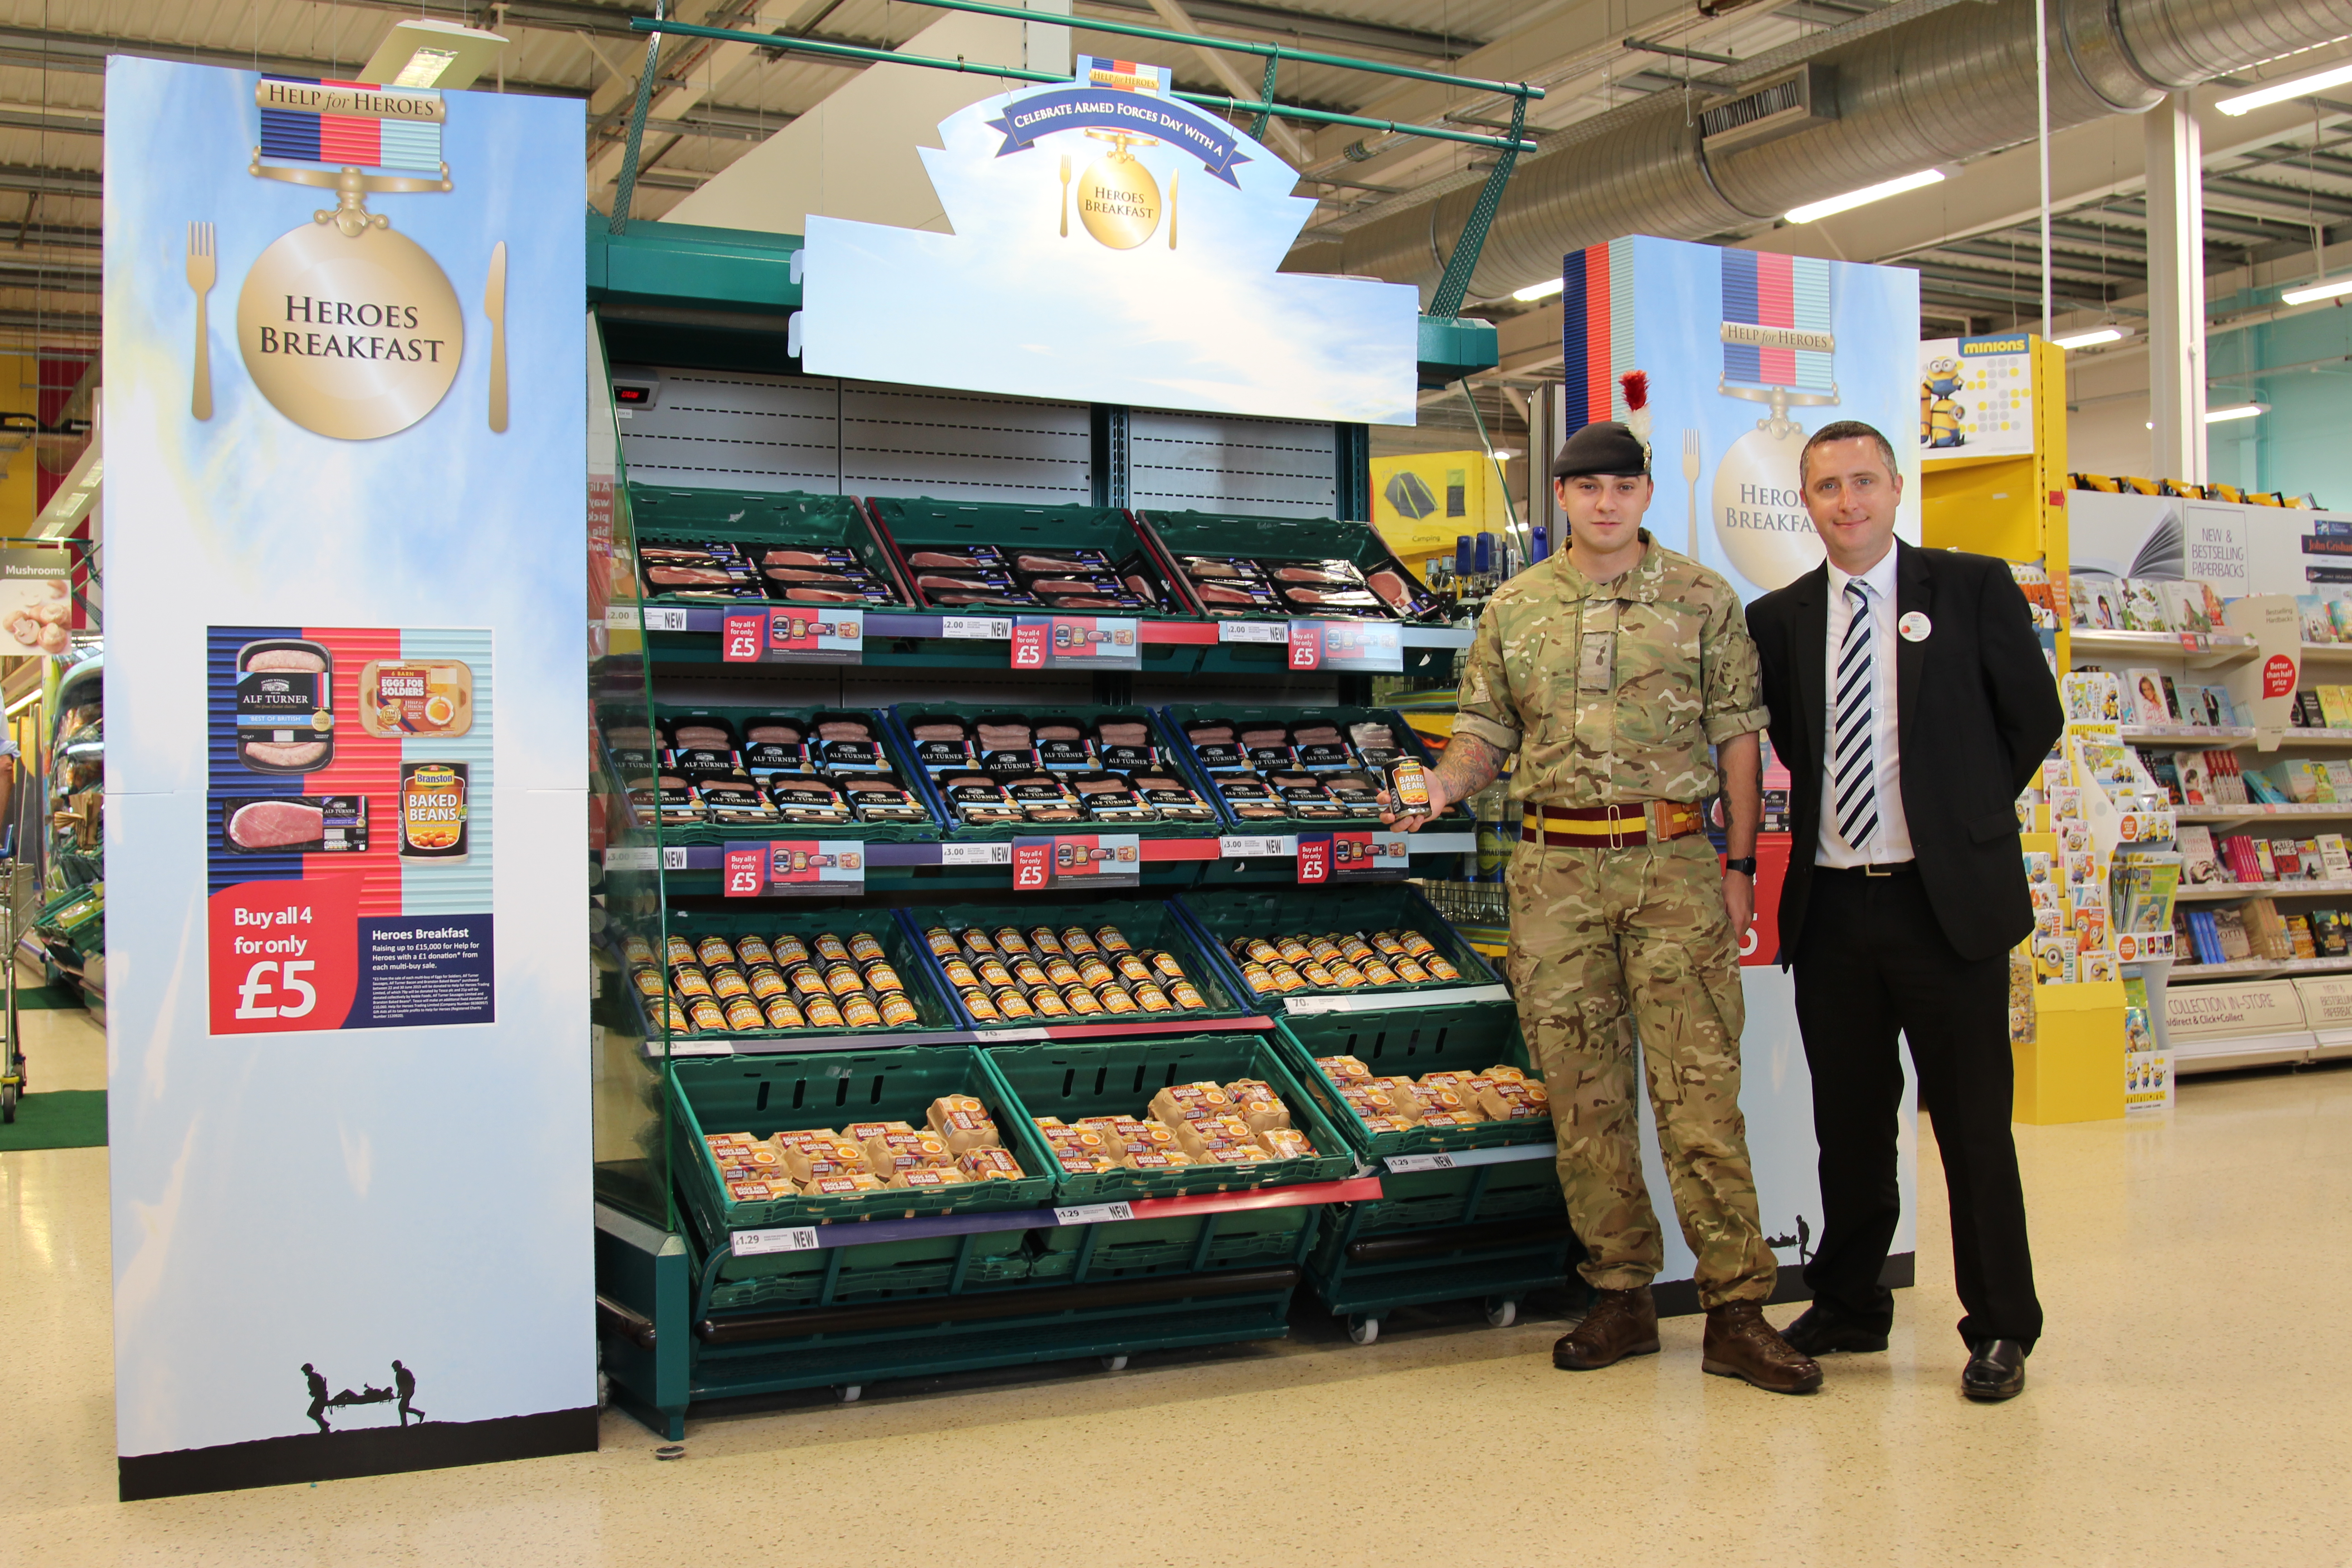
[
  {"x": 1032, "y": 866},
  {"x": 2278, "y": 676},
  {"x": 1029, "y": 642},
  {"x": 1760, "y": 944},
  {"x": 741, "y": 637},
  {"x": 746, "y": 872},
  {"x": 1314, "y": 854},
  {"x": 1306, "y": 652},
  {"x": 284, "y": 955}
]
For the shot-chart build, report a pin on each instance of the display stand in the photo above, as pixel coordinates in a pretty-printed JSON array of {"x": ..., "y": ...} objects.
[{"x": 701, "y": 1298}]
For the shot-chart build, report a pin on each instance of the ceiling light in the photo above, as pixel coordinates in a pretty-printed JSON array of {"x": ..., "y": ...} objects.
[
  {"x": 421, "y": 52},
  {"x": 1503, "y": 454},
  {"x": 2235, "y": 411},
  {"x": 1534, "y": 291},
  {"x": 2279, "y": 91},
  {"x": 2091, "y": 339},
  {"x": 1864, "y": 197},
  {"x": 2310, "y": 291}
]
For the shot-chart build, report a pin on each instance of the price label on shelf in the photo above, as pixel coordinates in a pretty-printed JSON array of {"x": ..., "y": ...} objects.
[
  {"x": 1275, "y": 632},
  {"x": 674, "y": 858},
  {"x": 635, "y": 858},
  {"x": 1253, "y": 846},
  {"x": 1372, "y": 648},
  {"x": 783, "y": 1238},
  {"x": 1366, "y": 854},
  {"x": 975, "y": 854},
  {"x": 1077, "y": 642},
  {"x": 1083, "y": 860},
  {"x": 976, "y": 628},
  {"x": 658, "y": 618},
  {"x": 1405, "y": 1164},
  {"x": 1093, "y": 1214}
]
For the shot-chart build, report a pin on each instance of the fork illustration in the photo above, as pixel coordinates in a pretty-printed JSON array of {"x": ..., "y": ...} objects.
[
  {"x": 1690, "y": 472},
  {"x": 202, "y": 269}
]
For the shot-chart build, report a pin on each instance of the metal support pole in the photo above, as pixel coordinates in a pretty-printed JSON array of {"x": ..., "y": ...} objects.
[
  {"x": 627, "y": 191},
  {"x": 2176, "y": 291},
  {"x": 2042, "y": 131}
]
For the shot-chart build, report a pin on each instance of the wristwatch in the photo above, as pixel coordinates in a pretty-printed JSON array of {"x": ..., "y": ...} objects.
[{"x": 1745, "y": 865}]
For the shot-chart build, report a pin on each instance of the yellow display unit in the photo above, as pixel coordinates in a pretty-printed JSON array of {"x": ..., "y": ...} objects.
[{"x": 2074, "y": 1071}]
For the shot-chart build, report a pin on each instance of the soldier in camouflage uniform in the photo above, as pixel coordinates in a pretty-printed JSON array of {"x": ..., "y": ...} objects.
[{"x": 1612, "y": 670}]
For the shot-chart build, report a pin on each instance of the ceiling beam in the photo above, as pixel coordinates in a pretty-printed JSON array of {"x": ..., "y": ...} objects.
[
  {"x": 1277, "y": 21},
  {"x": 59, "y": 48},
  {"x": 50, "y": 182}
]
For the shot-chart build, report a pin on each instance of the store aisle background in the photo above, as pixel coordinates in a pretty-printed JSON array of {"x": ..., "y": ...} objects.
[{"x": 2186, "y": 1410}]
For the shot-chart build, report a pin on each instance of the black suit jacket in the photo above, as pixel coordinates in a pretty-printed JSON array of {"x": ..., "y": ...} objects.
[{"x": 1977, "y": 711}]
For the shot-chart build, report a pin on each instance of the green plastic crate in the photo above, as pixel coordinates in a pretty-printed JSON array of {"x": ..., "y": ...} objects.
[
  {"x": 1176, "y": 1244},
  {"x": 669, "y": 515},
  {"x": 764, "y": 1095},
  {"x": 1243, "y": 912},
  {"x": 1302, "y": 539},
  {"x": 1408, "y": 1043},
  {"x": 1145, "y": 923},
  {"x": 1074, "y": 1079},
  {"x": 878, "y": 1271},
  {"x": 926, "y": 524},
  {"x": 935, "y": 1014},
  {"x": 871, "y": 832}
]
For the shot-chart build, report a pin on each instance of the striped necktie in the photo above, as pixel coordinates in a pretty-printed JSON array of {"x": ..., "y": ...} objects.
[{"x": 1853, "y": 774}]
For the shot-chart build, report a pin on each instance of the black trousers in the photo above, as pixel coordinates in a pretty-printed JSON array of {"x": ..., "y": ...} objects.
[{"x": 1872, "y": 964}]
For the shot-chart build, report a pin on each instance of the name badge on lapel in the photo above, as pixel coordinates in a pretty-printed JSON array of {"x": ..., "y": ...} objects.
[{"x": 1915, "y": 627}]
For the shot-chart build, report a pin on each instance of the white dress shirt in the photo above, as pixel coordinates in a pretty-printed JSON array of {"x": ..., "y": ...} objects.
[{"x": 1891, "y": 841}]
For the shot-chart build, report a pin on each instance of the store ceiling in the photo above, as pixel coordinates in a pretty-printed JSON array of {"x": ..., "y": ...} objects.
[{"x": 1591, "y": 55}]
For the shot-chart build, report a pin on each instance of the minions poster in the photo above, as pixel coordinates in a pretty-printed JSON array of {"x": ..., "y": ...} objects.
[{"x": 1111, "y": 244}]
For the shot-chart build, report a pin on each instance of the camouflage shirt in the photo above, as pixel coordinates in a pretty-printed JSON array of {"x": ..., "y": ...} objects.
[{"x": 1612, "y": 692}]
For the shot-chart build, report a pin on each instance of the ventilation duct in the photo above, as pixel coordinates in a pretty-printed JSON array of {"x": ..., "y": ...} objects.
[
  {"x": 1949, "y": 84},
  {"x": 1772, "y": 109}
]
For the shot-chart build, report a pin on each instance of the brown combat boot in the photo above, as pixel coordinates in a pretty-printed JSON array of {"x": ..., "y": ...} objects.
[
  {"x": 1740, "y": 1343},
  {"x": 1621, "y": 1323}
]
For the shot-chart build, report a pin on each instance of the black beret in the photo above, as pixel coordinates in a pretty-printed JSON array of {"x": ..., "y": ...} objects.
[{"x": 1603, "y": 447}]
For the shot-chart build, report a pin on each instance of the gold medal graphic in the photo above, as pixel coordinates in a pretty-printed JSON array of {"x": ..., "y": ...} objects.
[
  {"x": 349, "y": 328},
  {"x": 1119, "y": 201}
]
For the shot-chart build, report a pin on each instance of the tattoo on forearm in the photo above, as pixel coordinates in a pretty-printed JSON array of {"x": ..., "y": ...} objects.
[{"x": 1469, "y": 765}]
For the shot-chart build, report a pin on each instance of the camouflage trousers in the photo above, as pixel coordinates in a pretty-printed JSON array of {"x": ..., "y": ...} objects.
[{"x": 1613, "y": 950}]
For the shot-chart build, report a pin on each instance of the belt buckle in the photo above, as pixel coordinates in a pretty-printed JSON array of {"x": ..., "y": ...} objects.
[{"x": 1870, "y": 869}]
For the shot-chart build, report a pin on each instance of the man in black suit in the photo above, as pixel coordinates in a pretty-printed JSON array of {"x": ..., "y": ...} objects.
[{"x": 1911, "y": 701}]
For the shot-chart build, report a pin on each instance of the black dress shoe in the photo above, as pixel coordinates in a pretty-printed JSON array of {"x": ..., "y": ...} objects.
[
  {"x": 1996, "y": 1371},
  {"x": 1824, "y": 1329}
]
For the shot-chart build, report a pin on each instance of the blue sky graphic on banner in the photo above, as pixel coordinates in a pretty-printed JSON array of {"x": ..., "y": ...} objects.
[{"x": 1113, "y": 246}]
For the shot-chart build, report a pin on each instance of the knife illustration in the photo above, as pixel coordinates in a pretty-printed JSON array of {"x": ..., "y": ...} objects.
[{"x": 494, "y": 301}]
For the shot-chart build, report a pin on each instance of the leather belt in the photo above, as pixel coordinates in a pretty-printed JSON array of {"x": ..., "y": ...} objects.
[
  {"x": 1888, "y": 868},
  {"x": 1610, "y": 826}
]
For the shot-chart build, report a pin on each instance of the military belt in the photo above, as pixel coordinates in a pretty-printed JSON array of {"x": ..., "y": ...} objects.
[{"x": 1610, "y": 826}]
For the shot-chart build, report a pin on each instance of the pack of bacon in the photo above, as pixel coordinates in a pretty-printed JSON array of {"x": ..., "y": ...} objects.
[
  {"x": 1229, "y": 585},
  {"x": 719, "y": 572},
  {"x": 1310, "y": 770},
  {"x": 822, "y": 770},
  {"x": 987, "y": 577},
  {"x": 997, "y": 769}
]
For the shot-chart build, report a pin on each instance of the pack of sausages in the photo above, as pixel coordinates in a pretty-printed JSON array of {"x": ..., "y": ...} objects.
[
  {"x": 1229, "y": 585},
  {"x": 1341, "y": 960},
  {"x": 825, "y": 770},
  {"x": 1004, "y": 768},
  {"x": 822, "y": 574},
  {"x": 988, "y": 576}
]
